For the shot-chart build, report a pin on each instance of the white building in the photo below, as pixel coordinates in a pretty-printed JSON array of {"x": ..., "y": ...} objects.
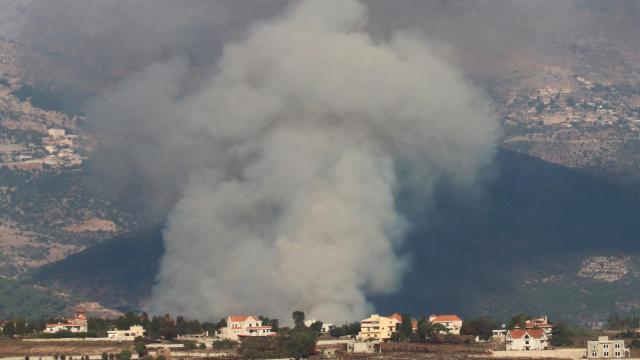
[
  {"x": 126, "y": 335},
  {"x": 78, "y": 324},
  {"x": 603, "y": 348},
  {"x": 363, "y": 347},
  {"x": 525, "y": 340},
  {"x": 326, "y": 327},
  {"x": 240, "y": 326},
  {"x": 453, "y": 323}
]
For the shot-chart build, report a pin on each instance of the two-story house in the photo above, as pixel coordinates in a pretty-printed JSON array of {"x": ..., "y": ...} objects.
[
  {"x": 540, "y": 323},
  {"x": 78, "y": 324},
  {"x": 239, "y": 326},
  {"x": 603, "y": 348},
  {"x": 526, "y": 340}
]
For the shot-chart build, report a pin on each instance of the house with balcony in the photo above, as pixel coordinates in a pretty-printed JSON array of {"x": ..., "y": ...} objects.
[
  {"x": 453, "y": 323},
  {"x": 77, "y": 324},
  {"x": 526, "y": 340},
  {"x": 377, "y": 328},
  {"x": 239, "y": 326},
  {"x": 540, "y": 323}
]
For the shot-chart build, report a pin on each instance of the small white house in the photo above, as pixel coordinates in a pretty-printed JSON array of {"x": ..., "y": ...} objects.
[
  {"x": 126, "y": 335},
  {"x": 526, "y": 340}
]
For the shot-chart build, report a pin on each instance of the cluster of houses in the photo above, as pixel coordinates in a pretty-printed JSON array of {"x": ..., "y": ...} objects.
[
  {"x": 58, "y": 149},
  {"x": 533, "y": 335},
  {"x": 373, "y": 328},
  {"x": 78, "y": 324},
  {"x": 536, "y": 333},
  {"x": 381, "y": 328}
]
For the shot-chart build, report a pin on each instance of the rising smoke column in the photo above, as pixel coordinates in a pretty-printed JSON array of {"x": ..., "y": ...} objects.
[{"x": 309, "y": 123}]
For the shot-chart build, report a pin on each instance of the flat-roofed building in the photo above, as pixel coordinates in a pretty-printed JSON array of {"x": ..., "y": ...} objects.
[{"x": 603, "y": 348}]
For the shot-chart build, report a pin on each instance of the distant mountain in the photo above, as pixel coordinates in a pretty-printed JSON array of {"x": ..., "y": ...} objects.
[{"x": 518, "y": 245}]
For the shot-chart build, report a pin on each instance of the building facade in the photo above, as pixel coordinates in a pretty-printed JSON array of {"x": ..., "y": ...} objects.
[
  {"x": 453, "y": 323},
  {"x": 126, "y": 335},
  {"x": 526, "y": 340},
  {"x": 78, "y": 324},
  {"x": 603, "y": 348},
  {"x": 239, "y": 326},
  {"x": 540, "y": 323},
  {"x": 378, "y": 328}
]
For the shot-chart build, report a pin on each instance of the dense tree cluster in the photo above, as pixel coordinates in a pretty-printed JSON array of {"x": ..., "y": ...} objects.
[
  {"x": 348, "y": 329},
  {"x": 481, "y": 327}
]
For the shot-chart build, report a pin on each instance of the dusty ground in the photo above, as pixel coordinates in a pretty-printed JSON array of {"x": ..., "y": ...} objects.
[
  {"x": 93, "y": 224},
  {"x": 17, "y": 347}
]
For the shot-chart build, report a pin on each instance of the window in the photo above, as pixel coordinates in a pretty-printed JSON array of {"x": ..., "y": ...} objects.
[
  {"x": 606, "y": 346},
  {"x": 617, "y": 346},
  {"x": 617, "y": 353},
  {"x": 606, "y": 354},
  {"x": 594, "y": 354}
]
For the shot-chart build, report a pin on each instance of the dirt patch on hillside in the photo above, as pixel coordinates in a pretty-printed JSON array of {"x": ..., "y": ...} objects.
[{"x": 92, "y": 225}]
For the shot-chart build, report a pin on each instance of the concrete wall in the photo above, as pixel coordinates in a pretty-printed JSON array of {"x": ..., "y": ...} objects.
[
  {"x": 70, "y": 339},
  {"x": 556, "y": 353}
]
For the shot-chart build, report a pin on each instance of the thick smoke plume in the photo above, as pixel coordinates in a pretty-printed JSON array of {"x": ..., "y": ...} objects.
[
  {"x": 316, "y": 127},
  {"x": 279, "y": 155}
]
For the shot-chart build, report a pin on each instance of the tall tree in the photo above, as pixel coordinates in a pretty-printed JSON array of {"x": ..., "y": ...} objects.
[
  {"x": 481, "y": 327},
  {"x": 316, "y": 326},
  {"x": 298, "y": 318},
  {"x": 562, "y": 335},
  {"x": 300, "y": 342}
]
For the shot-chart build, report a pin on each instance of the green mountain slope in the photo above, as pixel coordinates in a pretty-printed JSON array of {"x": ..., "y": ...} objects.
[
  {"x": 118, "y": 273},
  {"x": 518, "y": 245},
  {"x": 19, "y": 300}
]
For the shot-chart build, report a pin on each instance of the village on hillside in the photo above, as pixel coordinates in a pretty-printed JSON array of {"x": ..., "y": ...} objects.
[{"x": 132, "y": 336}]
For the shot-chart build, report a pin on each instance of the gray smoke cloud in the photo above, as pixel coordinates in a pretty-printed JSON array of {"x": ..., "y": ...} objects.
[
  {"x": 312, "y": 122},
  {"x": 277, "y": 152}
]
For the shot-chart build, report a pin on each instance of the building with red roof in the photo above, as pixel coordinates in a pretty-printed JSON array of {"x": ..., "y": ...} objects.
[
  {"x": 453, "y": 323},
  {"x": 77, "y": 324},
  {"x": 540, "y": 323},
  {"x": 239, "y": 326},
  {"x": 527, "y": 339}
]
